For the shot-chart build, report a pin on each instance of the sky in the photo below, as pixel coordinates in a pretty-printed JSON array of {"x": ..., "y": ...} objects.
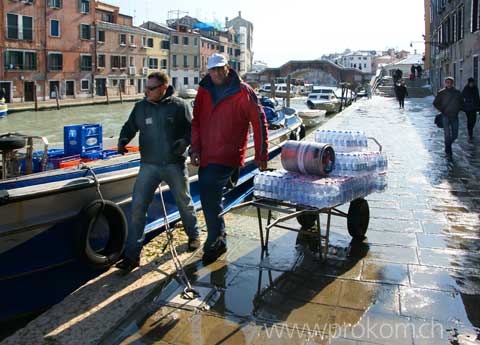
[{"x": 302, "y": 29}]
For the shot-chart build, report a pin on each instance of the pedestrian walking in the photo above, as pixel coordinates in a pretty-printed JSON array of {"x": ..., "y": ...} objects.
[
  {"x": 164, "y": 123},
  {"x": 419, "y": 71},
  {"x": 471, "y": 105},
  {"x": 413, "y": 70},
  {"x": 401, "y": 94},
  {"x": 397, "y": 75},
  {"x": 224, "y": 108},
  {"x": 449, "y": 101}
]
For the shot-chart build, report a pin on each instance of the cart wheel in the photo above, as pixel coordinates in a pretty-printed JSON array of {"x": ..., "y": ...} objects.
[
  {"x": 358, "y": 218},
  {"x": 306, "y": 220}
]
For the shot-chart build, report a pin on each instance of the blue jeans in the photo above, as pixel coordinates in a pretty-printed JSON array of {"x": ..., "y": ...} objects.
[
  {"x": 212, "y": 179},
  {"x": 148, "y": 179},
  {"x": 450, "y": 130}
]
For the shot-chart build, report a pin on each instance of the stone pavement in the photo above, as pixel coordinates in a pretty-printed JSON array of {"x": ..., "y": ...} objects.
[{"x": 414, "y": 280}]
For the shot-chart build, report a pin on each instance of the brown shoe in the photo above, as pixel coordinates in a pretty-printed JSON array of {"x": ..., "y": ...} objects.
[{"x": 193, "y": 244}]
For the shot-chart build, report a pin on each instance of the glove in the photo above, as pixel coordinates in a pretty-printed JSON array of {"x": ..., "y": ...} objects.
[
  {"x": 121, "y": 149},
  {"x": 179, "y": 146}
]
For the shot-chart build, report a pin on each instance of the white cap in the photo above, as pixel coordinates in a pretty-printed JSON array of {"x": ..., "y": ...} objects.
[{"x": 216, "y": 60}]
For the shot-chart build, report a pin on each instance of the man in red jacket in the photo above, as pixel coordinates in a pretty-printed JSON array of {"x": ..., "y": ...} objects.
[{"x": 224, "y": 108}]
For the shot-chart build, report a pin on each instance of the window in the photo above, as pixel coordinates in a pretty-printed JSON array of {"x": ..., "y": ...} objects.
[
  {"x": 212, "y": 46},
  {"x": 185, "y": 61},
  {"x": 85, "y": 84},
  {"x": 84, "y": 6},
  {"x": 174, "y": 60},
  {"x": 55, "y": 61},
  {"x": 150, "y": 42},
  {"x": 475, "y": 16},
  {"x": 123, "y": 62},
  {"x": 475, "y": 69},
  {"x": 19, "y": 27},
  {"x": 237, "y": 52},
  {"x": 85, "y": 62},
  {"x": 132, "y": 40},
  {"x": 132, "y": 61},
  {"x": 115, "y": 61},
  {"x": 221, "y": 49},
  {"x": 107, "y": 17},
  {"x": 101, "y": 36},
  {"x": 185, "y": 81},
  {"x": 123, "y": 39},
  {"x": 101, "y": 60},
  {"x": 195, "y": 41},
  {"x": 164, "y": 63},
  {"x": 460, "y": 23},
  {"x": 174, "y": 81},
  {"x": 175, "y": 39},
  {"x": 185, "y": 41},
  {"x": 195, "y": 80},
  {"x": 84, "y": 31},
  {"x": 54, "y": 28},
  {"x": 55, "y": 3},
  {"x": 165, "y": 45},
  {"x": 153, "y": 63},
  {"x": 195, "y": 61},
  {"x": 144, "y": 41},
  {"x": 20, "y": 60},
  {"x": 454, "y": 71}
]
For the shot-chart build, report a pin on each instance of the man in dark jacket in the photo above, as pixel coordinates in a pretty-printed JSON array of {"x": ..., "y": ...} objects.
[
  {"x": 449, "y": 102},
  {"x": 472, "y": 105},
  {"x": 224, "y": 109},
  {"x": 401, "y": 92},
  {"x": 164, "y": 123}
]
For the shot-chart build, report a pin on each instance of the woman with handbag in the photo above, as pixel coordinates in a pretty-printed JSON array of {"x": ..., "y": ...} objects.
[{"x": 471, "y": 105}]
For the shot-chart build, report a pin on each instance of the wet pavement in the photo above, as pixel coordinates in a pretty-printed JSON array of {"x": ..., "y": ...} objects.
[{"x": 414, "y": 280}]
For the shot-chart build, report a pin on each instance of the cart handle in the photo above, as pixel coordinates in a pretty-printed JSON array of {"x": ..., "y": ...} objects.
[{"x": 376, "y": 142}]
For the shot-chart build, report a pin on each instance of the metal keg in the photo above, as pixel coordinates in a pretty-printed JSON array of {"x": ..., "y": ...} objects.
[{"x": 309, "y": 158}]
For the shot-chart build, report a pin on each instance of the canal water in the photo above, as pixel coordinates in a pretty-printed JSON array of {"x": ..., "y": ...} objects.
[{"x": 50, "y": 123}]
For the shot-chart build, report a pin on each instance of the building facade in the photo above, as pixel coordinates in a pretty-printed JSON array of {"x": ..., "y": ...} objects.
[
  {"x": 361, "y": 60},
  {"x": 184, "y": 58},
  {"x": 454, "y": 40},
  {"x": 244, "y": 29},
  {"x": 47, "y": 49}
]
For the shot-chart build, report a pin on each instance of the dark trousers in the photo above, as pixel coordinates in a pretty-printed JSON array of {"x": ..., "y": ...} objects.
[
  {"x": 401, "y": 101},
  {"x": 450, "y": 130},
  {"x": 212, "y": 179},
  {"x": 471, "y": 119}
]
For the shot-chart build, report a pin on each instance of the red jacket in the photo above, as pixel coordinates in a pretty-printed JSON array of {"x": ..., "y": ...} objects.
[{"x": 220, "y": 130}]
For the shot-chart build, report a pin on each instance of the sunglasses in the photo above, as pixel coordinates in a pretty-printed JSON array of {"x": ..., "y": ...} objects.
[{"x": 151, "y": 88}]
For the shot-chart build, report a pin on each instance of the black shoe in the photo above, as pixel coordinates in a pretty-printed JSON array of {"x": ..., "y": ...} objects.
[
  {"x": 213, "y": 251},
  {"x": 127, "y": 265},
  {"x": 193, "y": 244}
]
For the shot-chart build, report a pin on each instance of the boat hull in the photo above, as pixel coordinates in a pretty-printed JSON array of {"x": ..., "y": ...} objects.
[{"x": 40, "y": 212}]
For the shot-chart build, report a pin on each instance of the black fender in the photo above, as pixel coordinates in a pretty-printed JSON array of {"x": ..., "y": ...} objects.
[
  {"x": 118, "y": 231},
  {"x": 10, "y": 142}
]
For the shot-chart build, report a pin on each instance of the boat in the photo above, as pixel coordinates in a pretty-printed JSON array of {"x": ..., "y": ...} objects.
[
  {"x": 312, "y": 117},
  {"x": 328, "y": 102},
  {"x": 50, "y": 241},
  {"x": 3, "y": 108},
  {"x": 187, "y": 93}
]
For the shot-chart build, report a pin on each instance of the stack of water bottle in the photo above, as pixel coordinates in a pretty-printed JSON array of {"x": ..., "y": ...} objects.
[{"x": 357, "y": 172}]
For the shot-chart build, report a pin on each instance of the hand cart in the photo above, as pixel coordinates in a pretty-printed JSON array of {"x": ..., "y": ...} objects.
[{"x": 358, "y": 217}]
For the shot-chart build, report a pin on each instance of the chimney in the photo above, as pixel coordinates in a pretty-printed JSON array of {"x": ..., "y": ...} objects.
[
  {"x": 226, "y": 21},
  {"x": 240, "y": 14}
]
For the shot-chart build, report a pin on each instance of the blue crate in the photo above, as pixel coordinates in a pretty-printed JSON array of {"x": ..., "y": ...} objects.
[
  {"x": 52, "y": 154},
  {"x": 92, "y": 155},
  {"x": 109, "y": 153},
  {"x": 81, "y": 139}
]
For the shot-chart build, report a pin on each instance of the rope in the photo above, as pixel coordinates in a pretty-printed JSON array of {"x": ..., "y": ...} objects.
[{"x": 188, "y": 293}]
